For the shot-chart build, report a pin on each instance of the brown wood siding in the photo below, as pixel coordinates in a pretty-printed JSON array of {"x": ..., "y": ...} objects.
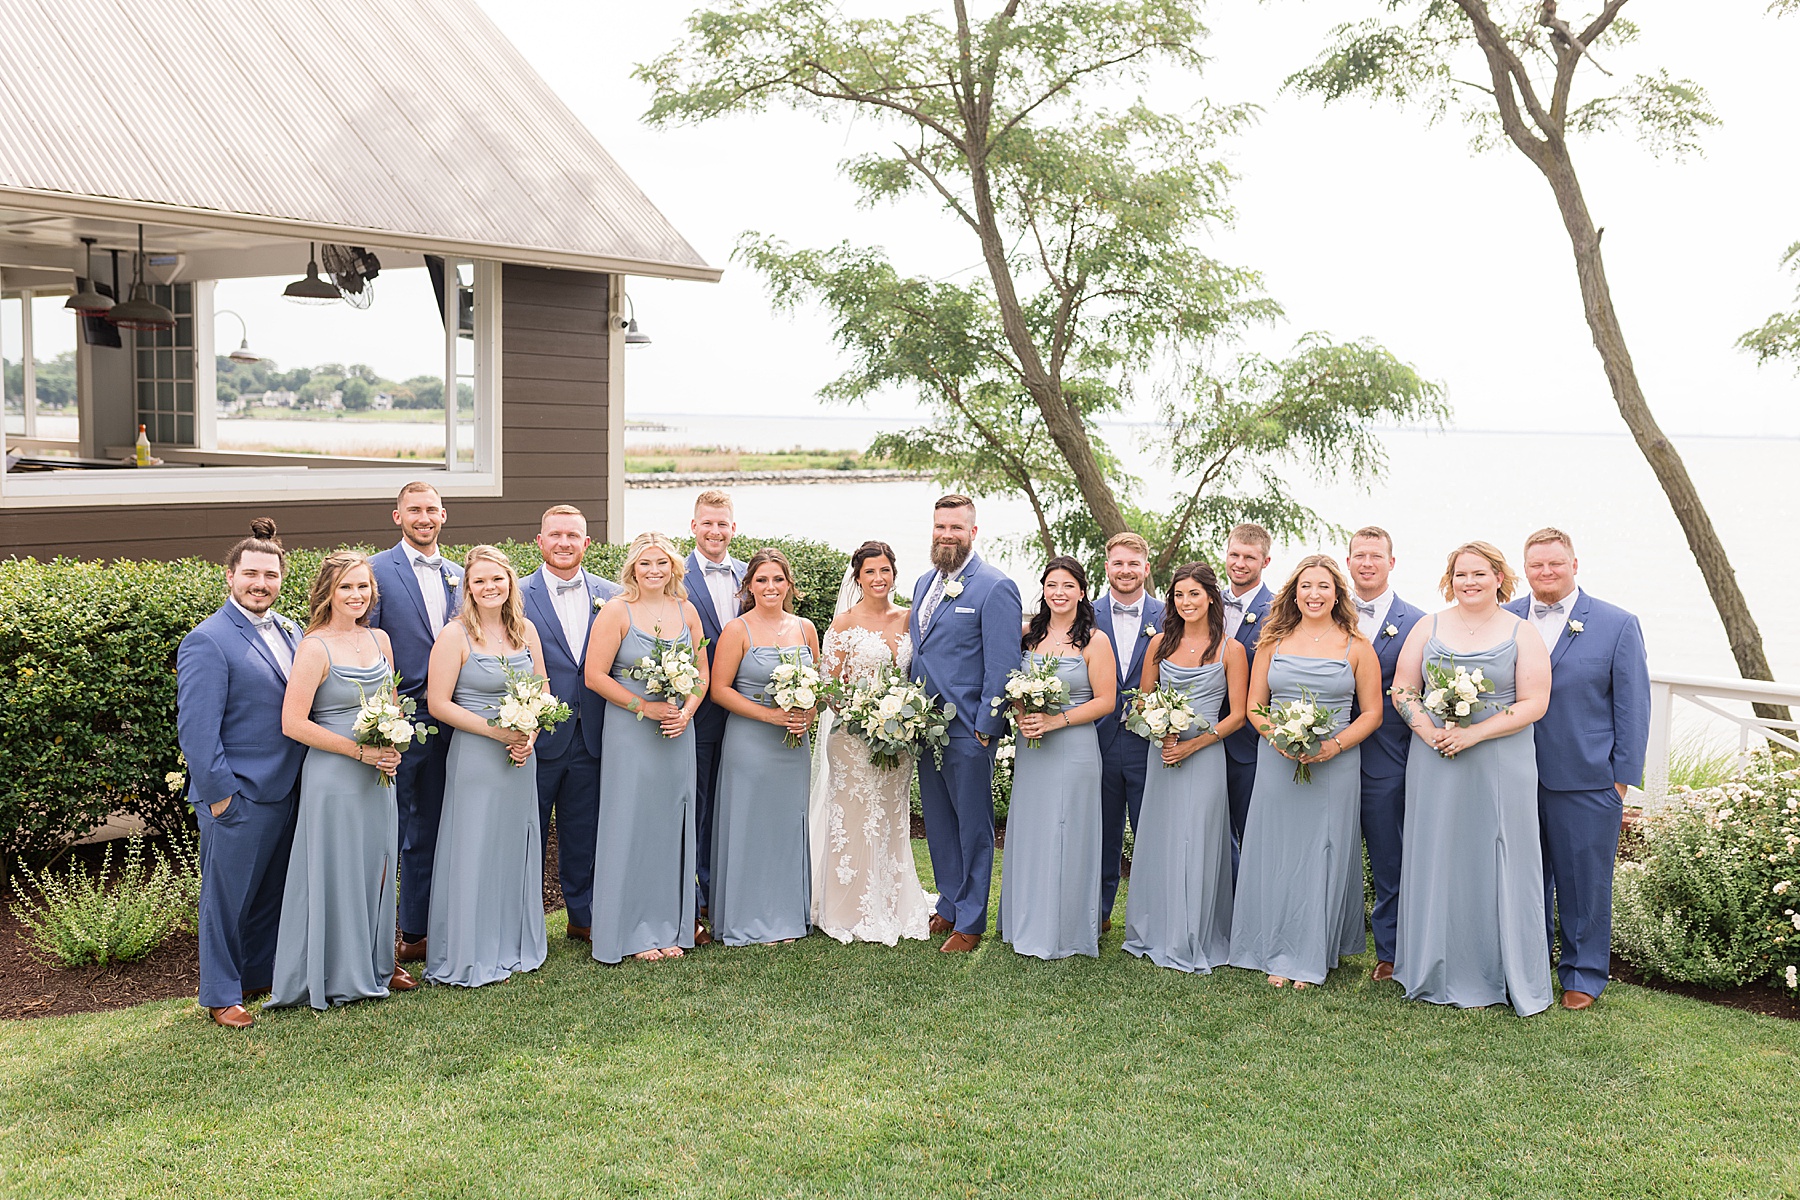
[{"x": 554, "y": 410}]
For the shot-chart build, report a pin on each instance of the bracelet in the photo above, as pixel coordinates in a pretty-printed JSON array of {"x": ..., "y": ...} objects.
[
  {"x": 1338, "y": 744},
  {"x": 1066, "y": 722}
]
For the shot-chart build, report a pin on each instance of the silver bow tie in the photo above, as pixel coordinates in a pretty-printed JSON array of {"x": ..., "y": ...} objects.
[
  {"x": 565, "y": 586},
  {"x": 713, "y": 568},
  {"x": 261, "y": 623},
  {"x": 1127, "y": 610},
  {"x": 435, "y": 562},
  {"x": 1544, "y": 610},
  {"x": 1367, "y": 610},
  {"x": 1236, "y": 602}
]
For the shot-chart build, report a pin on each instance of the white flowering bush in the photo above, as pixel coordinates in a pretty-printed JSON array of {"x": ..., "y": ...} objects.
[{"x": 1715, "y": 900}]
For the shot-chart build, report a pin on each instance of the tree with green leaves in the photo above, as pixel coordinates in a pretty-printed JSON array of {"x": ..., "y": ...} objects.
[
  {"x": 1088, "y": 224},
  {"x": 1515, "y": 70},
  {"x": 1779, "y": 336}
]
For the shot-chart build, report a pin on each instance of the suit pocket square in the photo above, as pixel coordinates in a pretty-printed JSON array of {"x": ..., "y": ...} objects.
[{"x": 961, "y": 609}]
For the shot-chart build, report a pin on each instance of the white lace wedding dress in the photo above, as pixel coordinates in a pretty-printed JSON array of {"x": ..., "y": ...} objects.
[{"x": 865, "y": 886}]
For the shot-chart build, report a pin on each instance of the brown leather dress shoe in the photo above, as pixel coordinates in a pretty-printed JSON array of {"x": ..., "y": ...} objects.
[
  {"x": 405, "y": 951},
  {"x": 581, "y": 933},
  {"x": 1576, "y": 1001},
  {"x": 702, "y": 935},
  {"x": 1106, "y": 925},
  {"x": 1383, "y": 971},
  {"x": 400, "y": 981},
  {"x": 233, "y": 1016},
  {"x": 940, "y": 925},
  {"x": 960, "y": 943}
]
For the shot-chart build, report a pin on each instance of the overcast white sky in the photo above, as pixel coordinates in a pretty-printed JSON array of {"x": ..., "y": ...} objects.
[{"x": 1365, "y": 222}]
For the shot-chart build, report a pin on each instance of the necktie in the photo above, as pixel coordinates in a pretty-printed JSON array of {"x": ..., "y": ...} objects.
[
  {"x": 565, "y": 586},
  {"x": 1367, "y": 610},
  {"x": 1541, "y": 611},
  {"x": 1128, "y": 610},
  {"x": 932, "y": 600}
]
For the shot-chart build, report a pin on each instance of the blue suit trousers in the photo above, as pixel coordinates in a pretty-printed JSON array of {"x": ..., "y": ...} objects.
[
  {"x": 1240, "y": 781},
  {"x": 1383, "y": 827},
  {"x": 958, "y": 804},
  {"x": 243, "y": 872},
  {"x": 419, "y": 795},
  {"x": 706, "y": 787},
  {"x": 569, "y": 787},
  {"x": 1121, "y": 791},
  {"x": 1580, "y": 834}
]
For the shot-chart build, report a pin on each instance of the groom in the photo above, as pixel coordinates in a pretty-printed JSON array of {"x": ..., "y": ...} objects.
[
  {"x": 965, "y": 633},
  {"x": 1129, "y": 615}
]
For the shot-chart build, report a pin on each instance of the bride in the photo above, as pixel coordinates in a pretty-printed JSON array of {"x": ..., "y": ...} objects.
[{"x": 865, "y": 885}]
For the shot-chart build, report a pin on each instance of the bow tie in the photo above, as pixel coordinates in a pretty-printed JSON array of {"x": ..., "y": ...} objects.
[
  {"x": 435, "y": 562},
  {"x": 565, "y": 586},
  {"x": 264, "y": 622},
  {"x": 1236, "y": 602},
  {"x": 1128, "y": 610},
  {"x": 1367, "y": 610},
  {"x": 1543, "y": 610},
  {"x": 713, "y": 568}
]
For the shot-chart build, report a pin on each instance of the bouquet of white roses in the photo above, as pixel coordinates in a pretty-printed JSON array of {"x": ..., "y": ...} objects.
[
  {"x": 672, "y": 672},
  {"x": 1037, "y": 689},
  {"x": 1153, "y": 716},
  {"x": 794, "y": 686},
  {"x": 386, "y": 719},
  {"x": 527, "y": 706},
  {"x": 1300, "y": 728},
  {"x": 1453, "y": 692},
  {"x": 894, "y": 717}
]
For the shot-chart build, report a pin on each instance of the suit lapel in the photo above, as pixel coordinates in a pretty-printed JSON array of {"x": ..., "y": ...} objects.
[
  {"x": 701, "y": 595},
  {"x": 409, "y": 583},
  {"x": 1578, "y": 613},
  {"x": 542, "y": 610},
  {"x": 1135, "y": 670},
  {"x": 255, "y": 639}
]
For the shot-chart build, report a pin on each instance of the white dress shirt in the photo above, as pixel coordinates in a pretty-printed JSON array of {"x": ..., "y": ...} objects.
[
  {"x": 431, "y": 587},
  {"x": 1550, "y": 625},
  {"x": 270, "y": 633},
  {"x": 1234, "y": 619},
  {"x": 1371, "y": 623},
  {"x": 722, "y": 587},
  {"x": 571, "y": 606},
  {"x": 1125, "y": 631}
]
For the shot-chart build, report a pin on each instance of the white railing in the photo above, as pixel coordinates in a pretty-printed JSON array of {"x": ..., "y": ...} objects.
[{"x": 1711, "y": 695}]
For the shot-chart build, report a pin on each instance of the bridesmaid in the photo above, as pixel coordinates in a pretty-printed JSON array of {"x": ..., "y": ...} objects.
[
  {"x": 762, "y": 858},
  {"x": 1299, "y": 903},
  {"x": 644, "y": 861},
  {"x": 1050, "y": 876},
  {"x": 1471, "y": 919},
  {"x": 336, "y": 942},
  {"x": 1178, "y": 910},
  {"x": 487, "y": 897}
]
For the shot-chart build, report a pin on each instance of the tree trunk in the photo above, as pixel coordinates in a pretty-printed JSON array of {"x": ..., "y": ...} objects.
[{"x": 1609, "y": 339}]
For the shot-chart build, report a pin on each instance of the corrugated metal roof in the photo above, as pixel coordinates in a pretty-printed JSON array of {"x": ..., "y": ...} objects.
[{"x": 410, "y": 118}]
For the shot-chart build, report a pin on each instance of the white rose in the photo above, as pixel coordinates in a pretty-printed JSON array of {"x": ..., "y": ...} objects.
[
  {"x": 805, "y": 698},
  {"x": 1181, "y": 721},
  {"x": 1476, "y": 675},
  {"x": 1462, "y": 708},
  {"x": 1434, "y": 698},
  {"x": 890, "y": 707}
]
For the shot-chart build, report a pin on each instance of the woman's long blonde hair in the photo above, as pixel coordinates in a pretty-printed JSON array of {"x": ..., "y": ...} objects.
[
  {"x": 1506, "y": 578},
  {"x": 640, "y": 545},
  {"x": 512, "y": 613},
  {"x": 1284, "y": 610},
  {"x": 332, "y": 570}
]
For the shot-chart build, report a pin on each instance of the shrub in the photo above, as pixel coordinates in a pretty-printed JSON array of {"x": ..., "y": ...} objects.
[
  {"x": 1714, "y": 899},
  {"x": 87, "y": 677},
  {"x": 78, "y": 920}
]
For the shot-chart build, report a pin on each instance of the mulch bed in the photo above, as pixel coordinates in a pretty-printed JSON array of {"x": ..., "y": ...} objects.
[{"x": 1752, "y": 997}]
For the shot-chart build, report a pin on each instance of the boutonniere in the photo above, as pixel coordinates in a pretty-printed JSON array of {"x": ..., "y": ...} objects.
[
  {"x": 1390, "y": 630},
  {"x": 1249, "y": 618},
  {"x": 599, "y": 602},
  {"x": 450, "y": 580},
  {"x": 1147, "y": 632},
  {"x": 953, "y": 589},
  {"x": 1574, "y": 628}
]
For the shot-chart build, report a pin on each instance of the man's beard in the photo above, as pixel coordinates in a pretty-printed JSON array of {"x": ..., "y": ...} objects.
[{"x": 947, "y": 557}]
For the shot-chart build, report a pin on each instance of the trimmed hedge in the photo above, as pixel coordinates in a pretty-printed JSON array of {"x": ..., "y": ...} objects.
[{"x": 87, "y": 676}]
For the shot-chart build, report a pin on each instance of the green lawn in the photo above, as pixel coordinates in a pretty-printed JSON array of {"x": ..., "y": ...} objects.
[{"x": 821, "y": 1070}]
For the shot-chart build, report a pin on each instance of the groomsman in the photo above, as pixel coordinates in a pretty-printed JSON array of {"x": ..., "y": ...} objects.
[
  {"x": 1129, "y": 615},
  {"x": 965, "y": 633},
  {"x": 713, "y": 580},
  {"x": 561, "y": 599},
  {"x": 1385, "y": 619},
  {"x": 1590, "y": 748},
  {"x": 418, "y": 592},
  {"x": 231, "y": 677},
  {"x": 1246, "y": 605}
]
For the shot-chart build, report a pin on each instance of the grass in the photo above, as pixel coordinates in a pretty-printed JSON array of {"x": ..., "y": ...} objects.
[
  {"x": 685, "y": 459},
  {"x": 386, "y": 416},
  {"x": 823, "y": 1070},
  {"x": 1697, "y": 761}
]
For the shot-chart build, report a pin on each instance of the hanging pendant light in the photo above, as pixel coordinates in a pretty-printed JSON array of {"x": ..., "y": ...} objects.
[
  {"x": 243, "y": 354},
  {"x": 633, "y": 335},
  {"x": 140, "y": 313},
  {"x": 88, "y": 301},
  {"x": 312, "y": 289}
]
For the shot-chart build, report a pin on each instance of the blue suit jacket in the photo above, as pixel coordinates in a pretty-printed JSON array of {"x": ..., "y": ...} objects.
[
  {"x": 400, "y": 611},
  {"x": 1384, "y": 753},
  {"x": 972, "y": 646},
  {"x": 709, "y": 718},
  {"x": 1242, "y": 744},
  {"x": 1110, "y": 726},
  {"x": 229, "y": 690},
  {"x": 563, "y": 663},
  {"x": 1597, "y": 728}
]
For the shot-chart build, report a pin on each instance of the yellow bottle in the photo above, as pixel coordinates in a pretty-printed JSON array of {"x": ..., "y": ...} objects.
[{"x": 143, "y": 447}]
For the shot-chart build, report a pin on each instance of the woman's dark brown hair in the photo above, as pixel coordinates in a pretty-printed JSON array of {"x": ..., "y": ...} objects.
[
  {"x": 1082, "y": 632},
  {"x": 768, "y": 554},
  {"x": 1174, "y": 626}
]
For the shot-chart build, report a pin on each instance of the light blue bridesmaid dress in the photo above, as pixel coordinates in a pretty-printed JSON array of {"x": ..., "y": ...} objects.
[
  {"x": 487, "y": 888},
  {"x": 644, "y": 860},
  {"x": 1178, "y": 910},
  {"x": 762, "y": 857},
  {"x": 1050, "y": 875},
  {"x": 336, "y": 939},
  {"x": 1471, "y": 924},
  {"x": 1299, "y": 902}
]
